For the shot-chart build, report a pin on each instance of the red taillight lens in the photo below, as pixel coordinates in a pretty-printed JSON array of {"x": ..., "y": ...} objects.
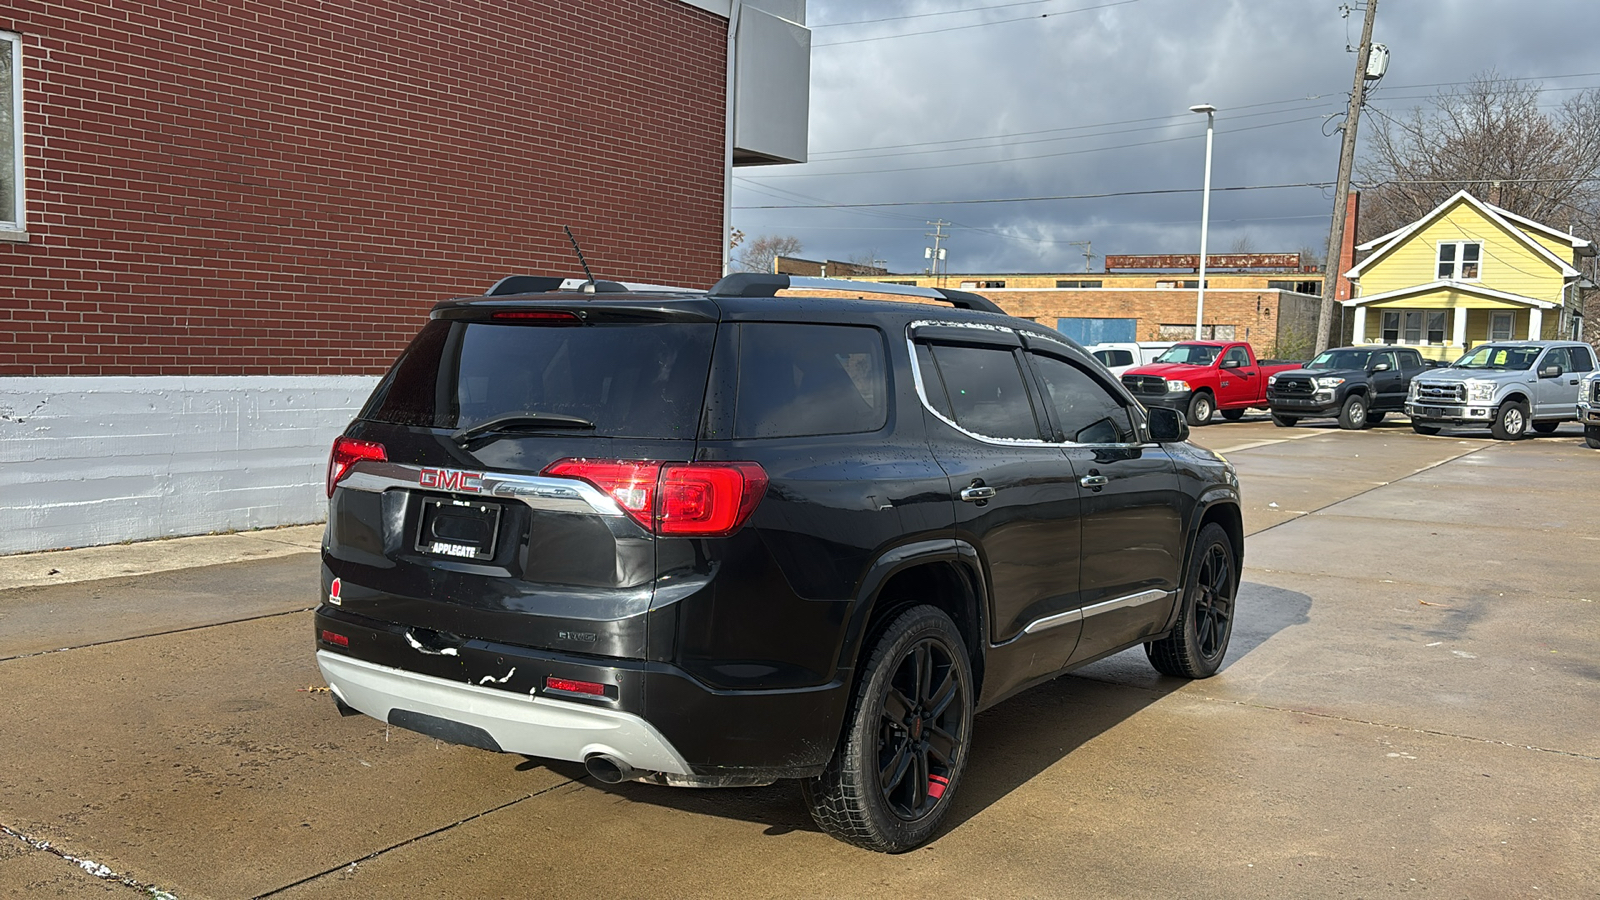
[
  {"x": 679, "y": 499},
  {"x": 630, "y": 482},
  {"x": 346, "y": 453},
  {"x": 334, "y": 638},
  {"x": 709, "y": 499}
]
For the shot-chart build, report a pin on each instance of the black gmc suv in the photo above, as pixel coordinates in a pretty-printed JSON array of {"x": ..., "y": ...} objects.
[
  {"x": 1356, "y": 385},
  {"x": 714, "y": 539}
]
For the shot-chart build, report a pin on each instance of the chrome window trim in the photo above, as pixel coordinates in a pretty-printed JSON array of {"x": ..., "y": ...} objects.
[
  {"x": 537, "y": 491},
  {"x": 922, "y": 394}
]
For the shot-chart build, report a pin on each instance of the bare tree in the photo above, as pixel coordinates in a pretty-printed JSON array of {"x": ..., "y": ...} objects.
[
  {"x": 1491, "y": 139},
  {"x": 759, "y": 254}
]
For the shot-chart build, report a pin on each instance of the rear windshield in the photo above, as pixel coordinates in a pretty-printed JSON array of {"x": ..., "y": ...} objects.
[{"x": 640, "y": 381}]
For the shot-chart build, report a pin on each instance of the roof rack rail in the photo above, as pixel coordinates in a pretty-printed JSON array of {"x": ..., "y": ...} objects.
[{"x": 759, "y": 284}]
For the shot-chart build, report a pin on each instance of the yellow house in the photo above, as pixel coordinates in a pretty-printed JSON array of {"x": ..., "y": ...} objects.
[{"x": 1465, "y": 273}]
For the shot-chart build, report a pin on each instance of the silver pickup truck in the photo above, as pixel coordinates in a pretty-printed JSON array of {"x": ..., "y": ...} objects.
[
  {"x": 1509, "y": 386},
  {"x": 1589, "y": 409}
]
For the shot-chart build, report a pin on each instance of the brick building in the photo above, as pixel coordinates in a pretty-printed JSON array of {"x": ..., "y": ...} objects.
[{"x": 230, "y": 217}]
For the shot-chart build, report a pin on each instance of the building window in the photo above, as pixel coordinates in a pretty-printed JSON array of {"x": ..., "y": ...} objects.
[
  {"x": 1413, "y": 326},
  {"x": 1186, "y": 333},
  {"x": 1500, "y": 326},
  {"x": 1080, "y": 284},
  {"x": 1458, "y": 260},
  {"x": 11, "y": 206}
]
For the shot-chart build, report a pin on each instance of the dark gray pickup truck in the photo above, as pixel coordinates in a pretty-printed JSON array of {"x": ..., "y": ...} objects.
[{"x": 1356, "y": 385}]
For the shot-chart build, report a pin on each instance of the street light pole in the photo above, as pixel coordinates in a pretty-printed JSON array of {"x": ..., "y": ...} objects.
[{"x": 1205, "y": 219}]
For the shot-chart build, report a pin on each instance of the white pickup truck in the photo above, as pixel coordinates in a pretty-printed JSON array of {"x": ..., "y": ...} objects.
[{"x": 1121, "y": 356}]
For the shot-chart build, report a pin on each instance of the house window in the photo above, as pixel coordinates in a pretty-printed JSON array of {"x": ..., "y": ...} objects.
[
  {"x": 1079, "y": 284},
  {"x": 1500, "y": 326},
  {"x": 1458, "y": 260},
  {"x": 1413, "y": 326},
  {"x": 11, "y": 206}
]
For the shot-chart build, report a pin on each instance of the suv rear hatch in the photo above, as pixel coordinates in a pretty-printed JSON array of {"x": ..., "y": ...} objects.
[{"x": 495, "y": 484}]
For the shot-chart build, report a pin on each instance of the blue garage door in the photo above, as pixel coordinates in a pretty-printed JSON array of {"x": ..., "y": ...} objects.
[{"x": 1098, "y": 331}]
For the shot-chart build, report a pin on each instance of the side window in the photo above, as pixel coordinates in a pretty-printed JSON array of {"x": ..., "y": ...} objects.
[
  {"x": 1557, "y": 356},
  {"x": 986, "y": 391},
  {"x": 933, "y": 382},
  {"x": 1582, "y": 361},
  {"x": 1410, "y": 359},
  {"x": 1086, "y": 411},
  {"x": 1237, "y": 354},
  {"x": 1385, "y": 358},
  {"x": 799, "y": 380},
  {"x": 11, "y": 180}
]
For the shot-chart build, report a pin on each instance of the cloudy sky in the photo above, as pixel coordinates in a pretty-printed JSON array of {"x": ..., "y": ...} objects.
[{"x": 994, "y": 99}]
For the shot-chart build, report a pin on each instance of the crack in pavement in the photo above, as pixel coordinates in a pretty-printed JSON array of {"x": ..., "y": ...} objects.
[
  {"x": 140, "y": 637},
  {"x": 89, "y": 866},
  {"x": 412, "y": 840}
]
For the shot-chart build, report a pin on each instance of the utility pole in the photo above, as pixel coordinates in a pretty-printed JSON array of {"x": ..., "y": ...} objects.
[
  {"x": 936, "y": 253},
  {"x": 1347, "y": 158},
  {"x": 1088, "y": 253}
]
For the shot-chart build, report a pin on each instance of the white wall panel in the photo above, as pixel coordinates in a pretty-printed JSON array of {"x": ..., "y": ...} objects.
[{"x": 87, "y": 461}]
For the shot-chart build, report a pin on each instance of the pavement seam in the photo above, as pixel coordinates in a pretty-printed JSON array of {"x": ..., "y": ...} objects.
[
  {"x": 412, "y": 840},
  {"x": 90, "y": 867},
  {"x": 138, "y": 637},
  {"x": 1375, "y": 487}
]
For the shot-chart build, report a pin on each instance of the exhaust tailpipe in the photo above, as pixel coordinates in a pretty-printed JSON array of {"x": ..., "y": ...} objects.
[{"x": 608, "y": 769}]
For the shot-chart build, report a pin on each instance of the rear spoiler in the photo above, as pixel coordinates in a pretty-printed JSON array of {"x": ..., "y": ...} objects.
[{"x": 547, "y": 284}]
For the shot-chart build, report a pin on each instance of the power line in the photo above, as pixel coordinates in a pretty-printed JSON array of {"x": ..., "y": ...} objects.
[
  {"x": 890, "y": 37},
  {"x": 947, "y": 12},
  {"x": 1100, "y": 196}
]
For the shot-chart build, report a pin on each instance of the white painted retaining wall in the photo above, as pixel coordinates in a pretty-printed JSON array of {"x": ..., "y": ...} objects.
[{"x": 87, "y": 461}]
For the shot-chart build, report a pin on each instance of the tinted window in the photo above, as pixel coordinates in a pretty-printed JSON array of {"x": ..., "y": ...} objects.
[
  {"x": 809, "y": 379},
  {"x": 1087, "y": 412},
  {"x": 1581, "y": 360},
  {"x": 629, "y": 380},
  {"x": 986, "y": 391},
  {"x": 932, "y": 382},
  {"x": 1410, "y": 359},
  {"x": 1114, "y": 357}
]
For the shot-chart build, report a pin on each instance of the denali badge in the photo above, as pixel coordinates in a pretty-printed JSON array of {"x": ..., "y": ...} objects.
[{"x": 452, "y": 480}]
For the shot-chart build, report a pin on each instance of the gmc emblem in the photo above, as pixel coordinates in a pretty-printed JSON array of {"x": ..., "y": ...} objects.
[{"x": 452, "y": 480}]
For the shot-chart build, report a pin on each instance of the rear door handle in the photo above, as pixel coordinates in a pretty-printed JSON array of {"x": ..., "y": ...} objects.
[
  {"x": 977, "y": 492},
  {"x": 1095, "y": 482}
]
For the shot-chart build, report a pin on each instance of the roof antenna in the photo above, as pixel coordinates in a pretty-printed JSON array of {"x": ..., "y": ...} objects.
[{"x": 590, "y": 287}]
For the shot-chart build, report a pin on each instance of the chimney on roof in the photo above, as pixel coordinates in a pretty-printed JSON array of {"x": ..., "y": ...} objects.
[
  {"x": 1494, "y": 193},
  {"x": 1347, "y": 250}
]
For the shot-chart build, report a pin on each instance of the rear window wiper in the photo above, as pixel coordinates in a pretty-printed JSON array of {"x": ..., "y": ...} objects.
[{"x": 521, "y": 422}]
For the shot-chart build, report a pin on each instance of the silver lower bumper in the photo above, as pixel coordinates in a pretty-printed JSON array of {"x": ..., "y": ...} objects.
[{"x": 534, "y": 726}]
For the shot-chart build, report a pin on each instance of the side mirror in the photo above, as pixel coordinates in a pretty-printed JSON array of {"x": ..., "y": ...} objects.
[
  {"x": 1550, "y": 372},
  {"x": 1380, "y": 367},
  {"x": 1167, "y": 425},
  {"x": 1230, "y": 364}
]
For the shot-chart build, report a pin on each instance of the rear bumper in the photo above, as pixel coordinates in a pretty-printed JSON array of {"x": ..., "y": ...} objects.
[
  {"x": 654, "y": 716},
  {"x": 513, "y": 723}
]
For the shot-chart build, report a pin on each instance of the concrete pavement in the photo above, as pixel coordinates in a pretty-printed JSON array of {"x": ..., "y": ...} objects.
[{"x": 1408, "y": 707}]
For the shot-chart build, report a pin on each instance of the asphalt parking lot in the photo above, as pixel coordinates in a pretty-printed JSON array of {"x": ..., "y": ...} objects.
[{"x": 1409, "y": 707}]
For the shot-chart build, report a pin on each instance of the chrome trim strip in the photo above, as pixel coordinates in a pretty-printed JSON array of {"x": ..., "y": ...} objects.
[
  {"x": 537, "y": 491},
  {"x": 1049, "y": 622},
  {"x": 1138, "y": 599}
]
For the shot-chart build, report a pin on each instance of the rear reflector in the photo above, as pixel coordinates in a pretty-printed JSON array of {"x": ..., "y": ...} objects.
[
  {"x": 537, "y": 317},
  {"x": 348, "y": 452},
  {"x": 574, "y": 687},
  {"x": 338, "y": 639},
  {"x": 701, "y": 499}
]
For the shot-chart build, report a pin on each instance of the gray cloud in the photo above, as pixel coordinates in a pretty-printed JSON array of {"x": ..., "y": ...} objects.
[{"x": 1275, "y": 69}]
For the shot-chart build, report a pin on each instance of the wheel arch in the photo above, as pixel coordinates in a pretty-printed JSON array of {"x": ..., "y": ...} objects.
[
  {"x": 1221, "y": 507},
  {"x": 945, "y": 574}
]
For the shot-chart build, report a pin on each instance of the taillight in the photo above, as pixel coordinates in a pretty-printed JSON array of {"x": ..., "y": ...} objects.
[
  {"x": 348, "y": 452},
  {"x": 681, "y": 499}
]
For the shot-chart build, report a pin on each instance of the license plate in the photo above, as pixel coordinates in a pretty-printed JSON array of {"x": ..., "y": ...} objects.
[
  {"x": 459, "y": 529},
  {"x": 1436, "y": 412}
]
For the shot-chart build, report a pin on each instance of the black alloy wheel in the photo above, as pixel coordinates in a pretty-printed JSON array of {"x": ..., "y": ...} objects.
[
  {"x": 1199, "y": 638},
  {"x": 906, "y": 740}
]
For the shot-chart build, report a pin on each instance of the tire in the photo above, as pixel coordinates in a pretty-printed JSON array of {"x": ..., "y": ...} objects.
[
  {"x": 1374, "y": 418},
  {"x": 1429, "y": 430},
  {"x": 1232, "y": 415},
  {"x": 1201, "y": 406},
  {"x": 1591, "y": 436},
  {"x": 1546, "y": 427},
  {"x": 918, "y": 665},
  {"x": 1284, "y": 421},
  {"x": 1354, "y": 415},
  {"x": 1199, "y": 638},
  {"x": 1510, "y": 421}
]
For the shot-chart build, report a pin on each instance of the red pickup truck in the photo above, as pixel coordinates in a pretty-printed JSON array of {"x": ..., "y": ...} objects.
[{"x": 1198, "y": 378}]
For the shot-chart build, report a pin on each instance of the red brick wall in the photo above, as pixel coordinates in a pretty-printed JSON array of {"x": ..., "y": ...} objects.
[
  {"x": 225, "y": 187},
  {"x": 1254, "y": 314}
]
